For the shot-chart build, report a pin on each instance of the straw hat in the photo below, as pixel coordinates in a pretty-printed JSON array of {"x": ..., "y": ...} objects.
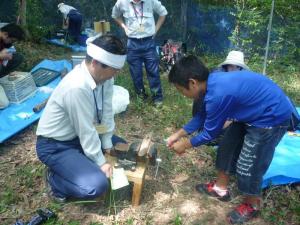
[{"x": 235, "y": 58}]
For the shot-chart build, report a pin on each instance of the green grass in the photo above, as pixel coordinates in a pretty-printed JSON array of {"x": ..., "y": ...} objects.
[
  {"x": 282, "y": 205},
  {"x": 8, "y": 197},
  {"x": 178, "y": 220},
  {"x": 27, "y": 174}
]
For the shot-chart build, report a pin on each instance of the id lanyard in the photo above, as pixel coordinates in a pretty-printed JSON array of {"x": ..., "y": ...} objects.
[
  {"x": 96, "y": 105},
  {"x": 136, "y": 12}
]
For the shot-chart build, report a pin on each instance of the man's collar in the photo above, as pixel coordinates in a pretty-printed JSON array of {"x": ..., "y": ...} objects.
[
  {"x": 132, "y": 1},
  {"x": 89, "y": 77}
]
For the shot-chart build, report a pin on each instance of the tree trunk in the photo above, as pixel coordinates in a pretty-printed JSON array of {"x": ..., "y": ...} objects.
[
  {"x": 183, "y": 19},
  {"x": 22, "y": 11}
]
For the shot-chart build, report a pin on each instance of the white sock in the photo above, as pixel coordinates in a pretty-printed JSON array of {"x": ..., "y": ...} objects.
[{"x": 220, "y": 191}]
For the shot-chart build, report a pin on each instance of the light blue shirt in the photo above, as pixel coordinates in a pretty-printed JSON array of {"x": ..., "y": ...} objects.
[{"x": 138, "y": 15}]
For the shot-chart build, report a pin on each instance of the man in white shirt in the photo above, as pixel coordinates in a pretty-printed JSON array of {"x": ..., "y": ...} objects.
[
  {"x": 78, "y": 123},
  {"x": 72, "y": 20},
  {"x": 137, "y": 19}
]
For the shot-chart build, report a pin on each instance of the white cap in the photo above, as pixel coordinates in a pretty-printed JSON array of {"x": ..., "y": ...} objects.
[
  {"x": 60, "y": 5},
  {"x": 235, "y": 58}
]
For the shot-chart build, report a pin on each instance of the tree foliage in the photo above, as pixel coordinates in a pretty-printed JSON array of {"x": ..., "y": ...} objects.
[
  {"x": 250, "y": 32},
  {"x": 247, "y": 29}
]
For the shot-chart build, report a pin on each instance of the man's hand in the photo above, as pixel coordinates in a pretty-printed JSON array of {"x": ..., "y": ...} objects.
[
  {"x": 159, "y": 23},
  {"x": 5, "y": 55},
  {"x": 110, "y": 151},
  {"x": 180, "y": 146},
  {"x": 65, "y": 24},
  {"x": 125, "y": 28},
  {"x": 107, "y": 169},
  {"x": 121, "y": 23}
]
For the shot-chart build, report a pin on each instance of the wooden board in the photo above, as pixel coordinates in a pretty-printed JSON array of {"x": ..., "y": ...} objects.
[{"x": 137, "y": 177}]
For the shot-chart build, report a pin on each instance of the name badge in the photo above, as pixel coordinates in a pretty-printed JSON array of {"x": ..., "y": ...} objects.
[
  {"x": 141, "y": 28},
  {"x": 101, "y": 128}
]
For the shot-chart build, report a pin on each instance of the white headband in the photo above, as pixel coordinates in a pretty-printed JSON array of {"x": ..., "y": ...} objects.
[{"x": 105, "y": 57}]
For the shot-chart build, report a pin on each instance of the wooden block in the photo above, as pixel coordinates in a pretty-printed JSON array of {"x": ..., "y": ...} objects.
[
  {"x": 145, "y": 145},
  {"x": 137, "y": 177}
]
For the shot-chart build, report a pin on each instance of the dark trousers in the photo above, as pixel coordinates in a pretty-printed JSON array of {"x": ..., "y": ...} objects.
[
  {"x": 75, "y": 22},
  {"x": 143, "y": 51},
  {"x": 72, "y": 173},
  {"x": 12, "y": 64},
  {"x": 247, "y": 151}
]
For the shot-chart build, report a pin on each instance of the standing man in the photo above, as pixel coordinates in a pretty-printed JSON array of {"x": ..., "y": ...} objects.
[
  {"x": 9, "y": 59},
  {"x": 77, "y": 124},
  {"x": 137, "y": 19},
  {"x": 72, "y": 20}
]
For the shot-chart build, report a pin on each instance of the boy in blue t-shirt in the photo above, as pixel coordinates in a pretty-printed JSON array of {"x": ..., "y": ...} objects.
[{"x": 261, "y": 112}]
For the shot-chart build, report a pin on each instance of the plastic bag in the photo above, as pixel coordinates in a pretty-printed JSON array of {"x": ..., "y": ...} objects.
[{"x": 120, "y": 99}]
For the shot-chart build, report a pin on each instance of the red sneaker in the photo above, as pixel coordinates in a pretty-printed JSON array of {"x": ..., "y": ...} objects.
[
  {"x": 243, "y": 213},
  {"x": 208, "y": 189}
]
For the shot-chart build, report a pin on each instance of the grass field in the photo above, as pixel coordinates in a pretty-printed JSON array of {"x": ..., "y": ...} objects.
[{"x": 169, "y": 199}]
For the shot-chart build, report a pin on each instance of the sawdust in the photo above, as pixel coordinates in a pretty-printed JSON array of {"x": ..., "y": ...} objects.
[
  {"x": 180, "y": 178},
  {"x": 163, "y": 217}
]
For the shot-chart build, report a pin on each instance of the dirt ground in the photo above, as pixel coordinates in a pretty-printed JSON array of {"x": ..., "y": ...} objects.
[{"x": 168, "y": 199}]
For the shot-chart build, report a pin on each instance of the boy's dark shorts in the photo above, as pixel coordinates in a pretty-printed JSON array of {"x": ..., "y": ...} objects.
[{"x": 247, "y": 151}]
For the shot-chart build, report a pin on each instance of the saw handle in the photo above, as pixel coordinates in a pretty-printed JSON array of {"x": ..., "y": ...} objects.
[{"x": 37, "y": 108}]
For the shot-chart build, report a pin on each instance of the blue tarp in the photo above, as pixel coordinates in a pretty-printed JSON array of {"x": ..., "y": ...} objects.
[
  {"x": 16, "y": 117},
  {"x": 284, "y": 168},
  {"x": 75, "y": 47}
]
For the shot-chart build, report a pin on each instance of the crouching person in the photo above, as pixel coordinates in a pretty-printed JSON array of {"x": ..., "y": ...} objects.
[
  {"x": 263, "y": 113},
  {"x": 9, "y": 59},
  {"x": 77, "y": 124}
]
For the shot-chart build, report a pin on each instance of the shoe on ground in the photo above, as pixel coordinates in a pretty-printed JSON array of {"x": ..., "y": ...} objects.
[
  {"x": 208, "y": 189},
  {"x": 49, "y": 189},
  {"x": 243, "y": 213}
]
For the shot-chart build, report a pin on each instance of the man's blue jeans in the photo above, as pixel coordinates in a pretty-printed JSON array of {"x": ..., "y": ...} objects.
[
  {"x": 247, "y": 151},
  {"x": 143, "y": 51},
  {"x": 75, "y": 21},
  {"x": 72, "y": 173}
]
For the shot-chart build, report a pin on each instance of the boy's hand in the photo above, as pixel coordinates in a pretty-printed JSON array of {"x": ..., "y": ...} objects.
[
  {"x": 172, "y": 139},
  {"x": 180, "y": 146},
  {"x": 227, "y": 124},
  {"x": 175, "y": 137}
]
